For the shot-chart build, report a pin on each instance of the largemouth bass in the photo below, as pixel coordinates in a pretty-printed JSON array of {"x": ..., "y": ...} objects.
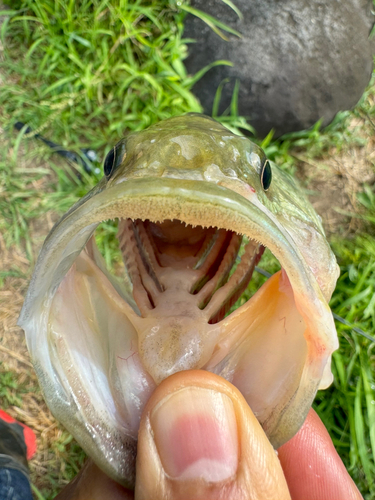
[{"x": 187, "y": 193}]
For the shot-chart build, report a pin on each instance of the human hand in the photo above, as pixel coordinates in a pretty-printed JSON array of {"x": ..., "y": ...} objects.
[{"x": 199, "y": 440}]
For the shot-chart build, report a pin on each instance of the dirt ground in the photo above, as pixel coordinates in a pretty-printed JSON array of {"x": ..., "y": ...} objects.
[{"x": 334, "y": 180}]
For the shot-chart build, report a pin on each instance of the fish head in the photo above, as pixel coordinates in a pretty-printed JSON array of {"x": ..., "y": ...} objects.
[{"x": 196, "y": 206}]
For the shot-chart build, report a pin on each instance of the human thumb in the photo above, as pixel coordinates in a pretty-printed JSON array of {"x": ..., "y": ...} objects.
[{"x": 199, "y": 440}]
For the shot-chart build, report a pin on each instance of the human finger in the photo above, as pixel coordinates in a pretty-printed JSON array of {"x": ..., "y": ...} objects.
[
  {"x": 199, "y": 439},
  {"x": 312, "y": 466},
  {"x": 92, "y": 484}
]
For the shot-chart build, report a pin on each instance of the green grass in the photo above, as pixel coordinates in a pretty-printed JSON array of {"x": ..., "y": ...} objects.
[
  {"x": 10, "y": 390},
  {"x": 83, "y": 77},
  {"x": 70, "y": 460},
  {"x": 348, "y": 407}
]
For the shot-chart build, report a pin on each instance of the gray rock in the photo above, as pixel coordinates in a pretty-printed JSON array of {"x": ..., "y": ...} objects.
[{"x": 298, "y": 61}]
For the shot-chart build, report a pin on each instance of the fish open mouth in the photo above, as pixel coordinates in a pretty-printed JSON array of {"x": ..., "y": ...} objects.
[
  {"x": 165, "y": 309},
  {"x": 101, "y": 341},
  {"x": 196, "y": 261},
  {"x": 183, "y": 281}
]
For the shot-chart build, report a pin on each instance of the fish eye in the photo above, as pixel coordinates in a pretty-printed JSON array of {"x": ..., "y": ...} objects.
[
  {"x": 109, "y": 162},
  {"x": 266, "y": 175},
  {"x": 114, "y": 159}
]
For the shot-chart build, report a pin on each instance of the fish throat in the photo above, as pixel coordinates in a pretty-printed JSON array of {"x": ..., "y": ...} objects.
[{"x": 184, "y": 280}]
